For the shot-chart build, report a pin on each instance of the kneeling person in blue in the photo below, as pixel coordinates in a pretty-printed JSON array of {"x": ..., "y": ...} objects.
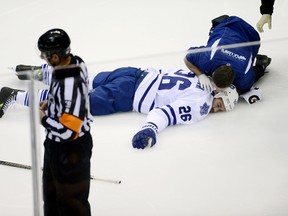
[
  {"x": 214, "y": 63},
  {"x": 168, "y": 97}
]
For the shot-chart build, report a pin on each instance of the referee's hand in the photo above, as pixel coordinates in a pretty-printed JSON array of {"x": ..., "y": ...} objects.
[{"x": 43, "y": 106}]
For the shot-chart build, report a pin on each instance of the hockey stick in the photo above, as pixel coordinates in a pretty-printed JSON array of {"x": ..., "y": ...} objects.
[{"x": 23, "y": 166}]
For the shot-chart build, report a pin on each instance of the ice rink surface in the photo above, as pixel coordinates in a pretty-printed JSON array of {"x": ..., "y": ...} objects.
[{"x": 228, "y": 164}]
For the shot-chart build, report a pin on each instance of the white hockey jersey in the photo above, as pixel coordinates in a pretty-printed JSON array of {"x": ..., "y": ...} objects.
[
  {"x": 168, "y": 96},
  {"x": 171, "y": 97}
]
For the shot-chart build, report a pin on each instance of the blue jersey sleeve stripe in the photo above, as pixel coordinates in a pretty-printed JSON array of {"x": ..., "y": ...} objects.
[
  {"x": 26, "y": 100},
  {"x": 173, "y": 114},
  {"x": 145, "y": 94},
  {"x": 167, "y": 115},
  {"x": 152, "y": 106},
  {"x": 44, "y": 95}
]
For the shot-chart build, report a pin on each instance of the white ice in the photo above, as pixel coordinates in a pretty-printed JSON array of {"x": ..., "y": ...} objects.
[{"x": 229, "y": 164}]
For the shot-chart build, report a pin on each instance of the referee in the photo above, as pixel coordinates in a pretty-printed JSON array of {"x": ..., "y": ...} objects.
[{"x": 66, "y": 119}]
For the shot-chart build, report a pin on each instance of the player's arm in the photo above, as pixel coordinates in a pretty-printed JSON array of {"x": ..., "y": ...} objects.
[
  {"x": 178, "y": 112},
  {"x": 204, "y": 80},
  {"x": 193, "y": 67},
  {"x": 146, "y": 136},
  {"x": 266, "y": 9},
  {"x": 267, "y": 6}
]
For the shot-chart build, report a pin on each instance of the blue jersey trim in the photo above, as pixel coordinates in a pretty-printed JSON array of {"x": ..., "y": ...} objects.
[
  {"x": 173, "y": 114},
  {"x": 145, "y": 94},
  {"x": 168, "y": 117}
]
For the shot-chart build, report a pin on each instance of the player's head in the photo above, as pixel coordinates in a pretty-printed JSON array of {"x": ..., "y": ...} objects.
[
  {"x": 55, "y": 41},
  {"x": 223, "y": 76},
  {"x": 225, "y": 100}
]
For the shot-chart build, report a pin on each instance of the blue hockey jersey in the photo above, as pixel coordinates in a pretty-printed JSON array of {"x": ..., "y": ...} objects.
[{"x": 231, "y": 31}]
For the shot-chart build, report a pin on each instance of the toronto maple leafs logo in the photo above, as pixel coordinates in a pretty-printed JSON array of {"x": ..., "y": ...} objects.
[{"x": 204, "y": 109}]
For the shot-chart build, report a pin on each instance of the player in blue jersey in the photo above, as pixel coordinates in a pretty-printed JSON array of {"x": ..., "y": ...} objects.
[
  {"x": 168, "y": 97},
  {"x": 228, "y": 65}
]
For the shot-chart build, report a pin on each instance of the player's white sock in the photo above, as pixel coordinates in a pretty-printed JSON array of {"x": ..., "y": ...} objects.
[{"x": 23, "y": 96}]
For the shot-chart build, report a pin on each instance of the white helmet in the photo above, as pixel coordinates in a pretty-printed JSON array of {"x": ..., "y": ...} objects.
[{"x": 229, "y": 96}]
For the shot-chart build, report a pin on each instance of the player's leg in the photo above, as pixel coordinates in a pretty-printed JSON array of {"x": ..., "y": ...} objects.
[
  {"x": 114, "y": 91},
  {"x": 7, "y": 98},
  {"x": 10, "y": 96},
  {"x": 262, "y": 62},
  {"x": 22, "y": 97}
]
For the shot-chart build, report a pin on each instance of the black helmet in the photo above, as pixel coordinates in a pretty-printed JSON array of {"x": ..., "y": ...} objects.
[{"x": 54, "y": 41}]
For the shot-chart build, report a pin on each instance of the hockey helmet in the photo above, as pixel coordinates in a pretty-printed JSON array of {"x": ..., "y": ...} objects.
[
  {"x": 54, "y": 41},
  {"x": 229, "y": 96}
]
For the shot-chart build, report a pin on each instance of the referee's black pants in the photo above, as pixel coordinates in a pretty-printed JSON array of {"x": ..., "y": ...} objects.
[{"x": 66, "y": 177}]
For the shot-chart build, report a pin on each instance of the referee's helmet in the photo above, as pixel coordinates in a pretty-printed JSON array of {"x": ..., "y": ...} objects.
[{"x": 54, "y": 41}]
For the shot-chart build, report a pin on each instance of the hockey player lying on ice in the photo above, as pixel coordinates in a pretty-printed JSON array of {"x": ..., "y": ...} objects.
[{"x": 168, "y": 97}]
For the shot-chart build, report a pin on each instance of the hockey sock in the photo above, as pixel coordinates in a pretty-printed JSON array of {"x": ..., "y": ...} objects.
[{"x": 23, "y": 96}]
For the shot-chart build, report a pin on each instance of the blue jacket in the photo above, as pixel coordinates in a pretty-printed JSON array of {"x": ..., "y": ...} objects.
[{"x": 232, "y": 30}]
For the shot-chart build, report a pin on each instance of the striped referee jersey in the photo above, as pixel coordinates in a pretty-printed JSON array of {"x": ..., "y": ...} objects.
[{"x": 68, "y": 115}]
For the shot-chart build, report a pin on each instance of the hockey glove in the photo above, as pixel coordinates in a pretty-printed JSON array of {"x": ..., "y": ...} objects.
[
  {"x": 145, "y": 137},
  {"x": 23, "y": 72},
  {"x": 253, "y": 95},
  {"x": 205, "y": 82},
  {"x": 266, "y": 18}
]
